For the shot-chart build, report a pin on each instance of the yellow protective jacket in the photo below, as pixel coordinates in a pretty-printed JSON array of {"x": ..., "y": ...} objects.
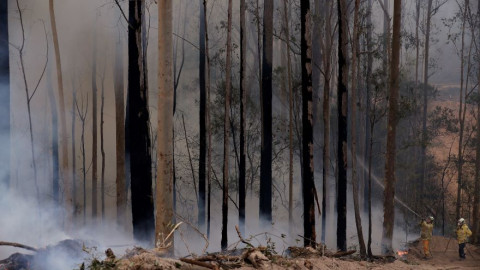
[
  {"x": 463, "y": 232},
  {"x": 426, "y": 232}
]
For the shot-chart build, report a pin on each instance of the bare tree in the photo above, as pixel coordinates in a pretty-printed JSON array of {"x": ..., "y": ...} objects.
[
  {"x": 82, "y": 114},
  {"x": 266, "y": 145},
  {"x": 121, "y": 192},
  {"x": 342, "y": 95},
  {"x": 4, "y": 93},
  {"x": 308, "y": 184},
  {"x": 353, "y": 122},
  {"x": 64, "y": 174},
  {"x": 94, "y": 130},
  {"x": 476, "y": 201},
  {"x": 164, "y": 186},
  {"x": 203, "y": 122},
  {"x": 226, "y": 130},
  {"x": 389, "y": 193},
  {"x": 243, "y": 124}
]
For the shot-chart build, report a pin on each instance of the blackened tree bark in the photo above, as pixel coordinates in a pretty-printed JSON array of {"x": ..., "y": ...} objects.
[
  {"x": 266, "y": 151},
  {"x": 389, "y": 193},
  {"x": 139, "y": 131},
  {"x": 4, "y": 95},
  {"x": 342, "y": 96},
  {"x": 308, "y": 186},
  {"x": 369, "y": 129},
  {"x": 226, "y": 130},
  {"x": 243, "y": 126},
  {"x": 203, "y": 122}
]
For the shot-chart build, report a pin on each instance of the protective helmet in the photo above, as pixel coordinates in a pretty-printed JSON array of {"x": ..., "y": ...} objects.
[
  {"x": 431, "y": 218},
  {"x": 461, "y": 220}
]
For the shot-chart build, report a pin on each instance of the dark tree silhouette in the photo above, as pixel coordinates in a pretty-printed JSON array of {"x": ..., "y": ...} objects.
[
  {"x": 266, "y": 151},
  {"x": 4, "y": 95},
  {"x": 342, "y": 95},
  {"x": 308, "y": 186},
  {"x": 139, "y": 131},
  {"x": 203, "y": 122},
  {"x": 242, "y": 168}
]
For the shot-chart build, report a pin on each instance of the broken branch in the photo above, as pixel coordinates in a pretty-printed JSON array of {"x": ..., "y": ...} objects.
[{"x": 17, "y": 245}]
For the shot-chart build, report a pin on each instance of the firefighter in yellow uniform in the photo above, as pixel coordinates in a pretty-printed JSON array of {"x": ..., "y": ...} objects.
[
  {"x": 463, "y": 232},
  {"x": 426, "y": 235}
]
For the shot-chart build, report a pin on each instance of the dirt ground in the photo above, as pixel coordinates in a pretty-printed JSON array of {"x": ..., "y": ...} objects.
[{"x": 443, "y": 258}]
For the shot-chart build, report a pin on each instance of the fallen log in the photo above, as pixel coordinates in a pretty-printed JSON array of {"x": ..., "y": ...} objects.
[
  {"x": 342, "y": 253},
  {"x": 11, "y": 244},
  {"x": 201, "y": 263}
]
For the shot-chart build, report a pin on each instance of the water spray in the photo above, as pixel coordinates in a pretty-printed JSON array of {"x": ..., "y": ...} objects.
[{"x": 374, "y": 177}]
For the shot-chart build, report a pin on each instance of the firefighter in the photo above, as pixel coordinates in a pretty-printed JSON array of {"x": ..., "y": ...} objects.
[
  {"x": 426, "y": 235},
  {"x": 463, "y": 232}
]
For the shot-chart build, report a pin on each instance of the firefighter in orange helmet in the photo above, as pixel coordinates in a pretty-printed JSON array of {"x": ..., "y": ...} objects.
[{"x": 426, "y": 235}]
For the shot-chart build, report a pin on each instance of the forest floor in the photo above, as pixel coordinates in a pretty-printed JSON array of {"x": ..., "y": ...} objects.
[
  {"x": 444, "y": 256},
  {"x": 444, "y": 251}
]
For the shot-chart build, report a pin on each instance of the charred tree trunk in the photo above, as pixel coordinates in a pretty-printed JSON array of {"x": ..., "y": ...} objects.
[
  {"x": 203, "y": 122},
  {"x": 4, "y": 95},
  {"x": 64, "y": 174},
  {"x": 243, "y": 96},
  {"x": 164, "y": 187},
  {"x": 342, "y": 97},
  {"x": 308, "y": 184},
  {"x": 389, "y": 193},
  {"x": 226, "y": 130},
  {"x": 369, "y": 130},
  {"x": 139, "y": 131},
  {"x": 266, "y": 151}
]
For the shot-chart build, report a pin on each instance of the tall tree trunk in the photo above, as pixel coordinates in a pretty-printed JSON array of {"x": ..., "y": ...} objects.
[
  {"x": 308, "y": 184},
  {"x": 290, "y": 121},
  {"x": 94, "y": 130},
  {"x": 139, "y": 131},
  {"x": 102, "y": 148},
  {"x": 74, "y": 150},
  {"x": 121, "y": 192},
  {"x": 460, "y": 118},
  {"x": 342, "y": 97},
  {"x": 68, "y": 203},
  {"x": 358, "y": 220},
  {"x": 327, "y": 67},
  {"x": 164, "y": 187},
  {"x": 4, "y": 95},
  {"x": 476, "y": 201},
  {"x": 226, "y": 129},
  {"x": 266, "y": 151},
  {"x": 54, "y": 142},
  {"x": 203, "y": 122},
  {"x": 243, "y": 124},
  {"x": 369, "y": 130},
  {"x": 425, "y": 104},
  {"x": 389, "y": 193},
  {"x": 207, "y": 110},
  {"x": 417, "y": 38}
]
